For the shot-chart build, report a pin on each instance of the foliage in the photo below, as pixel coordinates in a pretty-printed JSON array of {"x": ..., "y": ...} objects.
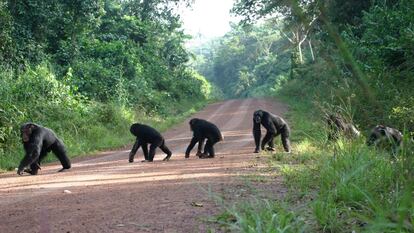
[
  {"x": 347, "y": 185},
  {"x": 245, "y": 60},
  {"x": 262, "y": 216},
  {"x": 363, "y": 67},
  {"x": 87, "y": 69}
]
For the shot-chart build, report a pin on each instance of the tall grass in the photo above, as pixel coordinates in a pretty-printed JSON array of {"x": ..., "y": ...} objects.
[
  {"x": 341, "y": 186},
  {"x": 347, "y": 185}
]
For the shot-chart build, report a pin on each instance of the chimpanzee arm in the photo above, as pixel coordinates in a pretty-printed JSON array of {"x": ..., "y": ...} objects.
[
  {"x": 269, "y": 124},
  {"x": 194, "y": 140},
  {"x": 134, "y": 149},
  {"x": 32, "y": 154},
  {"x": 257, "y": 135}
]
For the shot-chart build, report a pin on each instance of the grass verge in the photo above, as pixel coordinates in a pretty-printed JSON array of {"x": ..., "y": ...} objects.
[{"x": 333, "y": 187}]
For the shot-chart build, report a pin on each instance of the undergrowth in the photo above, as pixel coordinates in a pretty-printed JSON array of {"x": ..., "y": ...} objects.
[
  {"x": 333, "y": 187},
  {"x": 85, "y": 125}
]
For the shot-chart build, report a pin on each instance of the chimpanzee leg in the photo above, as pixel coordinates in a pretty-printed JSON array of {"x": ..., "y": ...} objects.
[
  {"x": 285, "y": 138},
  {"x": 271, "y": 143},
  {"x": 267, "y": 138},
  {"x": 209, "y": 149},
  {"x": 145, "y": 151},
  {"x": 200, "y": 147},
  {"x": 151, "y": 155},
  {"x": 59, "y": 150},
  {"x": 165, "y": 149}
]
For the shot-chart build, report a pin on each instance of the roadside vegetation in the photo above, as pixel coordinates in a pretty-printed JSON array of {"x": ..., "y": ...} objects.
[
  {"x": 88, "y": 69},
  {"x": 353, "y": 58},
  {"x": 332, "y": 187}
]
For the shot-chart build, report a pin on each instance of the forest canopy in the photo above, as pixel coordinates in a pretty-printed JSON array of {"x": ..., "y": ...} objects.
[
  {"x": 335, "y": 52},
  {"x": 92, "y": 67}
]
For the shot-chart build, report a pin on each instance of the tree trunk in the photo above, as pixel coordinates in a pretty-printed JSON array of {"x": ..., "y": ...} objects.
[
  {"x": 311, "y": 50},
  {"x": 300, "y": 52}
]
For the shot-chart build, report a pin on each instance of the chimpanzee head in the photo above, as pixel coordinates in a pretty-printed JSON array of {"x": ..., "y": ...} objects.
[
  {"x": 377, "y": 133},
  {"x": 257, "y": 116},
  {"x": 192, "y": 123},
  {"x": 26, "y": 130}
]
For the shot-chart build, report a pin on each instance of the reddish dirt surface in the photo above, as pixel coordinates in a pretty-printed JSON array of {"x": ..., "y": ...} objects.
[{"x": 108, "y": 194}]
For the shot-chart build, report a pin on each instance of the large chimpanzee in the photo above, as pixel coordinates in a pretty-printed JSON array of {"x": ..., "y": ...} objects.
[
  {"x": 337, "y": 126},
  {"x": 384, "y": 137},
  {"x": 202, "y": 130},
  {"x": 274, "y": 125},
  {"x": 147, "y": 135},
  {"x": 37, "y": 142}
]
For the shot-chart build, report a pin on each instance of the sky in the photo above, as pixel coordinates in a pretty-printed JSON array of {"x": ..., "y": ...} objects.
[{"x": 207, "y": 19}]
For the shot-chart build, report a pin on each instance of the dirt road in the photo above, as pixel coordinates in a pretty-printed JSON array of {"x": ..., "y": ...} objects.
[{"x": 108, "y": 194}]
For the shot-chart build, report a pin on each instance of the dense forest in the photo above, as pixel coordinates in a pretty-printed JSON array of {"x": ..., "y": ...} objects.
[
  {"x": 358, "y": 53},
  {"x": 88, "y": 69},
  {"x": 348, "y": 57}
]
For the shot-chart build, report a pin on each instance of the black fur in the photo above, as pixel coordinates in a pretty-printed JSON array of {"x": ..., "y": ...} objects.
[
  {"x": 383, "y": 136},
  {"x": 37, "y": 142},
  {"x": 337, "y": 126},
  {"x": 147, "y": 135},
  {"x": 202, "y": 130},
  {"x": 274, "y": 125}
]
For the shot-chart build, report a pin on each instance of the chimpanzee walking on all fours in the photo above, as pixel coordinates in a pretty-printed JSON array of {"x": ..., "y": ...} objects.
[
  {"x": 147, "y": 135},
  {"x": 274, "y": 125},
  {"x": 37, "y": 142},
  {"x": 202, "y": 130}
]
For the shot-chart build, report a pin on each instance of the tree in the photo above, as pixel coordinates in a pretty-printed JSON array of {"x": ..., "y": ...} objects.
[{"x": 299, "y": 18}]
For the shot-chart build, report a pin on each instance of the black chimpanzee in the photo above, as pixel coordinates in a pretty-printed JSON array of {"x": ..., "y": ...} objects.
[
  {"x": 37, "y": 142},
  {"x": 337, "y": 126},
  {"x": 202, "y": 130},
  {"x": 274, "y": 125},
  {"x": 384, "y": 137},
  {"x": 147, "y": 135}
]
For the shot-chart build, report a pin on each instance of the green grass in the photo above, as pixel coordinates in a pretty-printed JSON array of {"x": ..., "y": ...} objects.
[
  {"x": 332, "y": 187},
  {"x": 257, "y": 216},
  {"x": 84, "y": 136}
]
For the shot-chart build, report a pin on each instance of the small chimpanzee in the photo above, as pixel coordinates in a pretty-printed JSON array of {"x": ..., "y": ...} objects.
[
  {"x": 37, "y": 142},
  {"x": 202, "y": 130},
  {"x": 337, "y": 126},
  {"x": 384, "y": 137},
  {"x": 274, "y": 125},
  {"x": 147, "y": 135}
]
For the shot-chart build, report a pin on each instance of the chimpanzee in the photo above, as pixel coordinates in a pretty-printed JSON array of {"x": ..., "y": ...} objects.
[
  {"x": 383, "y": 136},
  {"x": 37, "y": 142},
  {"x": 274, "y": 125},
  {"x": 202, "y": 130},
  {"x": 337, "y": 125},
  {"x": 147, "y": 135}
]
